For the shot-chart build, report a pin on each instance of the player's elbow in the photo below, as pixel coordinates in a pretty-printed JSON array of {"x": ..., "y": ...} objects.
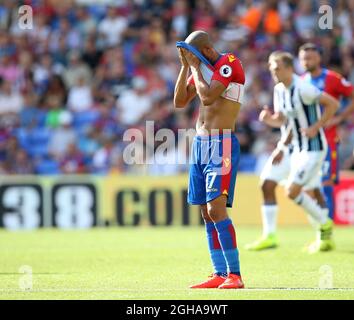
[
  {"x": 333, "y": 104},
  {"x": 330, "y": 102},
  {"x": 178, "y": 104}
]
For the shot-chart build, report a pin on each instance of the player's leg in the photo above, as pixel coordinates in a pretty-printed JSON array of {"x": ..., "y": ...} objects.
[
  {"x": 271, "y": 176},
  {"x": 318, "y": 195},
  {"x": 324, "y": 241},
  {"x": 330, "y": 178},
  {"x": 220, "y": 177},
  {"x": 304, "y": 172},
  {"x": 227, "y": 237},
  {"x": 295, "y": 192},
  {"x": 216, "y": 254},
  {"x": 303, "y": 176},
  {"x": 197, "y": 196},
  {"x": 270, "y": 207},
  {"x": 269, "y": 211}
]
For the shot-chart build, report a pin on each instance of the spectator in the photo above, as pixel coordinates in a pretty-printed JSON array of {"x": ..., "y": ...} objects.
[
  {"x": 112, "y": 27},
  {"x": 106, "y": 123},
  {"x": 263, "y": 16},
  {"x": 179, "y": 22},
  {"x": 86, "y": 24},
  {"x": 31, "y": 115},
  {"x": 88, "y": 144},
  {"x": 9, "y": 70},
  {"x": 134, "y": 104},
  {"x": 102, "y": 159},
  {"x": 55, "y": 110},
  {"x": 73, "y": 161},
  {"x": 22, "y": 163},
  {"x": 62, "y": 137},
  {"x": 91, "y": 55},
  {"x": 11, "y": 103},
  {"x": 305, "y": 20},
  {"x": 116, "y": 67},
  {"x": 80, "y": 96},
  {"x": 56, "y": 90},
  {"x": 76, "y": 69}
]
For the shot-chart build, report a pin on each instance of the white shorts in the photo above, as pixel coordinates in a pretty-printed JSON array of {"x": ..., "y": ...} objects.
[
  {"x": 277, "y": 172},
  {"x": 306, "y": 168}
]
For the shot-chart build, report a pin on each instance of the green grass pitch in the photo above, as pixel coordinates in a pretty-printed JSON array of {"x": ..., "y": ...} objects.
[{"x": 160, "y": 263}]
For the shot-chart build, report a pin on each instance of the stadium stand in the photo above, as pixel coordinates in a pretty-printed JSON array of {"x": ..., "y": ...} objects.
[{"x": 112, "y": 68}]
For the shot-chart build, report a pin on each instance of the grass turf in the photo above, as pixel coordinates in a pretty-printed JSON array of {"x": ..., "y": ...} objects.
[{"x": 160, "y": 263}]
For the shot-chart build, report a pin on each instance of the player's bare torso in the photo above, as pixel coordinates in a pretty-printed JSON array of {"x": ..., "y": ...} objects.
[{"x": 222, "y": 114}]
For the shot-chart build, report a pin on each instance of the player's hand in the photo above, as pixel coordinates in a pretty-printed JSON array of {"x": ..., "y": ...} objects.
[
  {"x": 192, "y": 60},
  {"x": 277, "y": 156},
  {"x": 310, "y": 132},
  {"x": 265, "y": 114},
  {"x": 182, "y": 58}
]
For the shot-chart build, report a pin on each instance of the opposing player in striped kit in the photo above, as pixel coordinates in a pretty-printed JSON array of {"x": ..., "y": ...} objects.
[
  {"x": 299, "y": 106},
  {"x": 278, "y": 165}
]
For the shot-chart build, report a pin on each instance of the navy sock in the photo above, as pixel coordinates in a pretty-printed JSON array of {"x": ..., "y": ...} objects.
[
  {"x": 227, "y": 238},
  {"x": 216, "y": 254},
  {"x": 328, "y": 192}
]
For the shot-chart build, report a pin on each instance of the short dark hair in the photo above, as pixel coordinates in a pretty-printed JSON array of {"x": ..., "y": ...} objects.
[
  {"x": 309, "y": 46},
  {"x": 286, "y": 57}
]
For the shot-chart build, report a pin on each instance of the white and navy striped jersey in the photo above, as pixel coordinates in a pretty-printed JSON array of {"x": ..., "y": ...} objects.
[{"x": 299, "y": 104}]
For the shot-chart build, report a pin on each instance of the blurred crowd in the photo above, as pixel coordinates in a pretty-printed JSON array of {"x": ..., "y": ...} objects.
[{"x": 73, "y": 84}]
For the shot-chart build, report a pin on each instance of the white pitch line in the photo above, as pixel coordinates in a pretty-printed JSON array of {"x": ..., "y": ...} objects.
[{"x": 170, "y": 290}]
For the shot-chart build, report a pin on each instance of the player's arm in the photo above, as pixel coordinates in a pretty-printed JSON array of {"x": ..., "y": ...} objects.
[
  {"x": 349, "y": 110},
  {"x": 275, "y": 120},
  {"x": 284, "y": 141},
  {"x": 330, "y": 106},
  {"x": 345, "y": 88},
  {"x": 184, "y": 92},
  {"x": 207, "y": 93}
]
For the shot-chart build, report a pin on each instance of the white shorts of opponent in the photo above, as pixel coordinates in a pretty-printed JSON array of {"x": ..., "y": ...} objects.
[
  {"x": 306, "y": 168},
  {"x": 303, "y": 168},
  {"x": 277, "y": 172}
]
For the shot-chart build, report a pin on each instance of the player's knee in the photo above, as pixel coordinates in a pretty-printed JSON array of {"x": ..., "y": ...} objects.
[
  {"x": 214, "y": 213},
  {"x": 217, "y": 209},
  {"x": 292, "y": 193},
  {"x": 204, "y": 213},
  {"x": 268, "y": 188}
]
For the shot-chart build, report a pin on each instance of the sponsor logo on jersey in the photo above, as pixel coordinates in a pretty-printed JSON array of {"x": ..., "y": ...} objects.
[
  {"x": 231, "y": 58},
  {"x": 226, "y": 162},
  {"x": 225, "y": 71}
]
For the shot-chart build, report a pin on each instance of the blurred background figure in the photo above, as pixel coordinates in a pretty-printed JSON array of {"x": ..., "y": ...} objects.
[{"x": 114, "y": 67}]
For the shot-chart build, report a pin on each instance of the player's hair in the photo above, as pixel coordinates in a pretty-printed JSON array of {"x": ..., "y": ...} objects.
[
  {"x": 286, "y": 57},
  {"x": 309, "y": 46}
]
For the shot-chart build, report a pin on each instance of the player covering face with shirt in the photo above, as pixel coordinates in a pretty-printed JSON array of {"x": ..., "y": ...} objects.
[{"x": 218, "y": 82}]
